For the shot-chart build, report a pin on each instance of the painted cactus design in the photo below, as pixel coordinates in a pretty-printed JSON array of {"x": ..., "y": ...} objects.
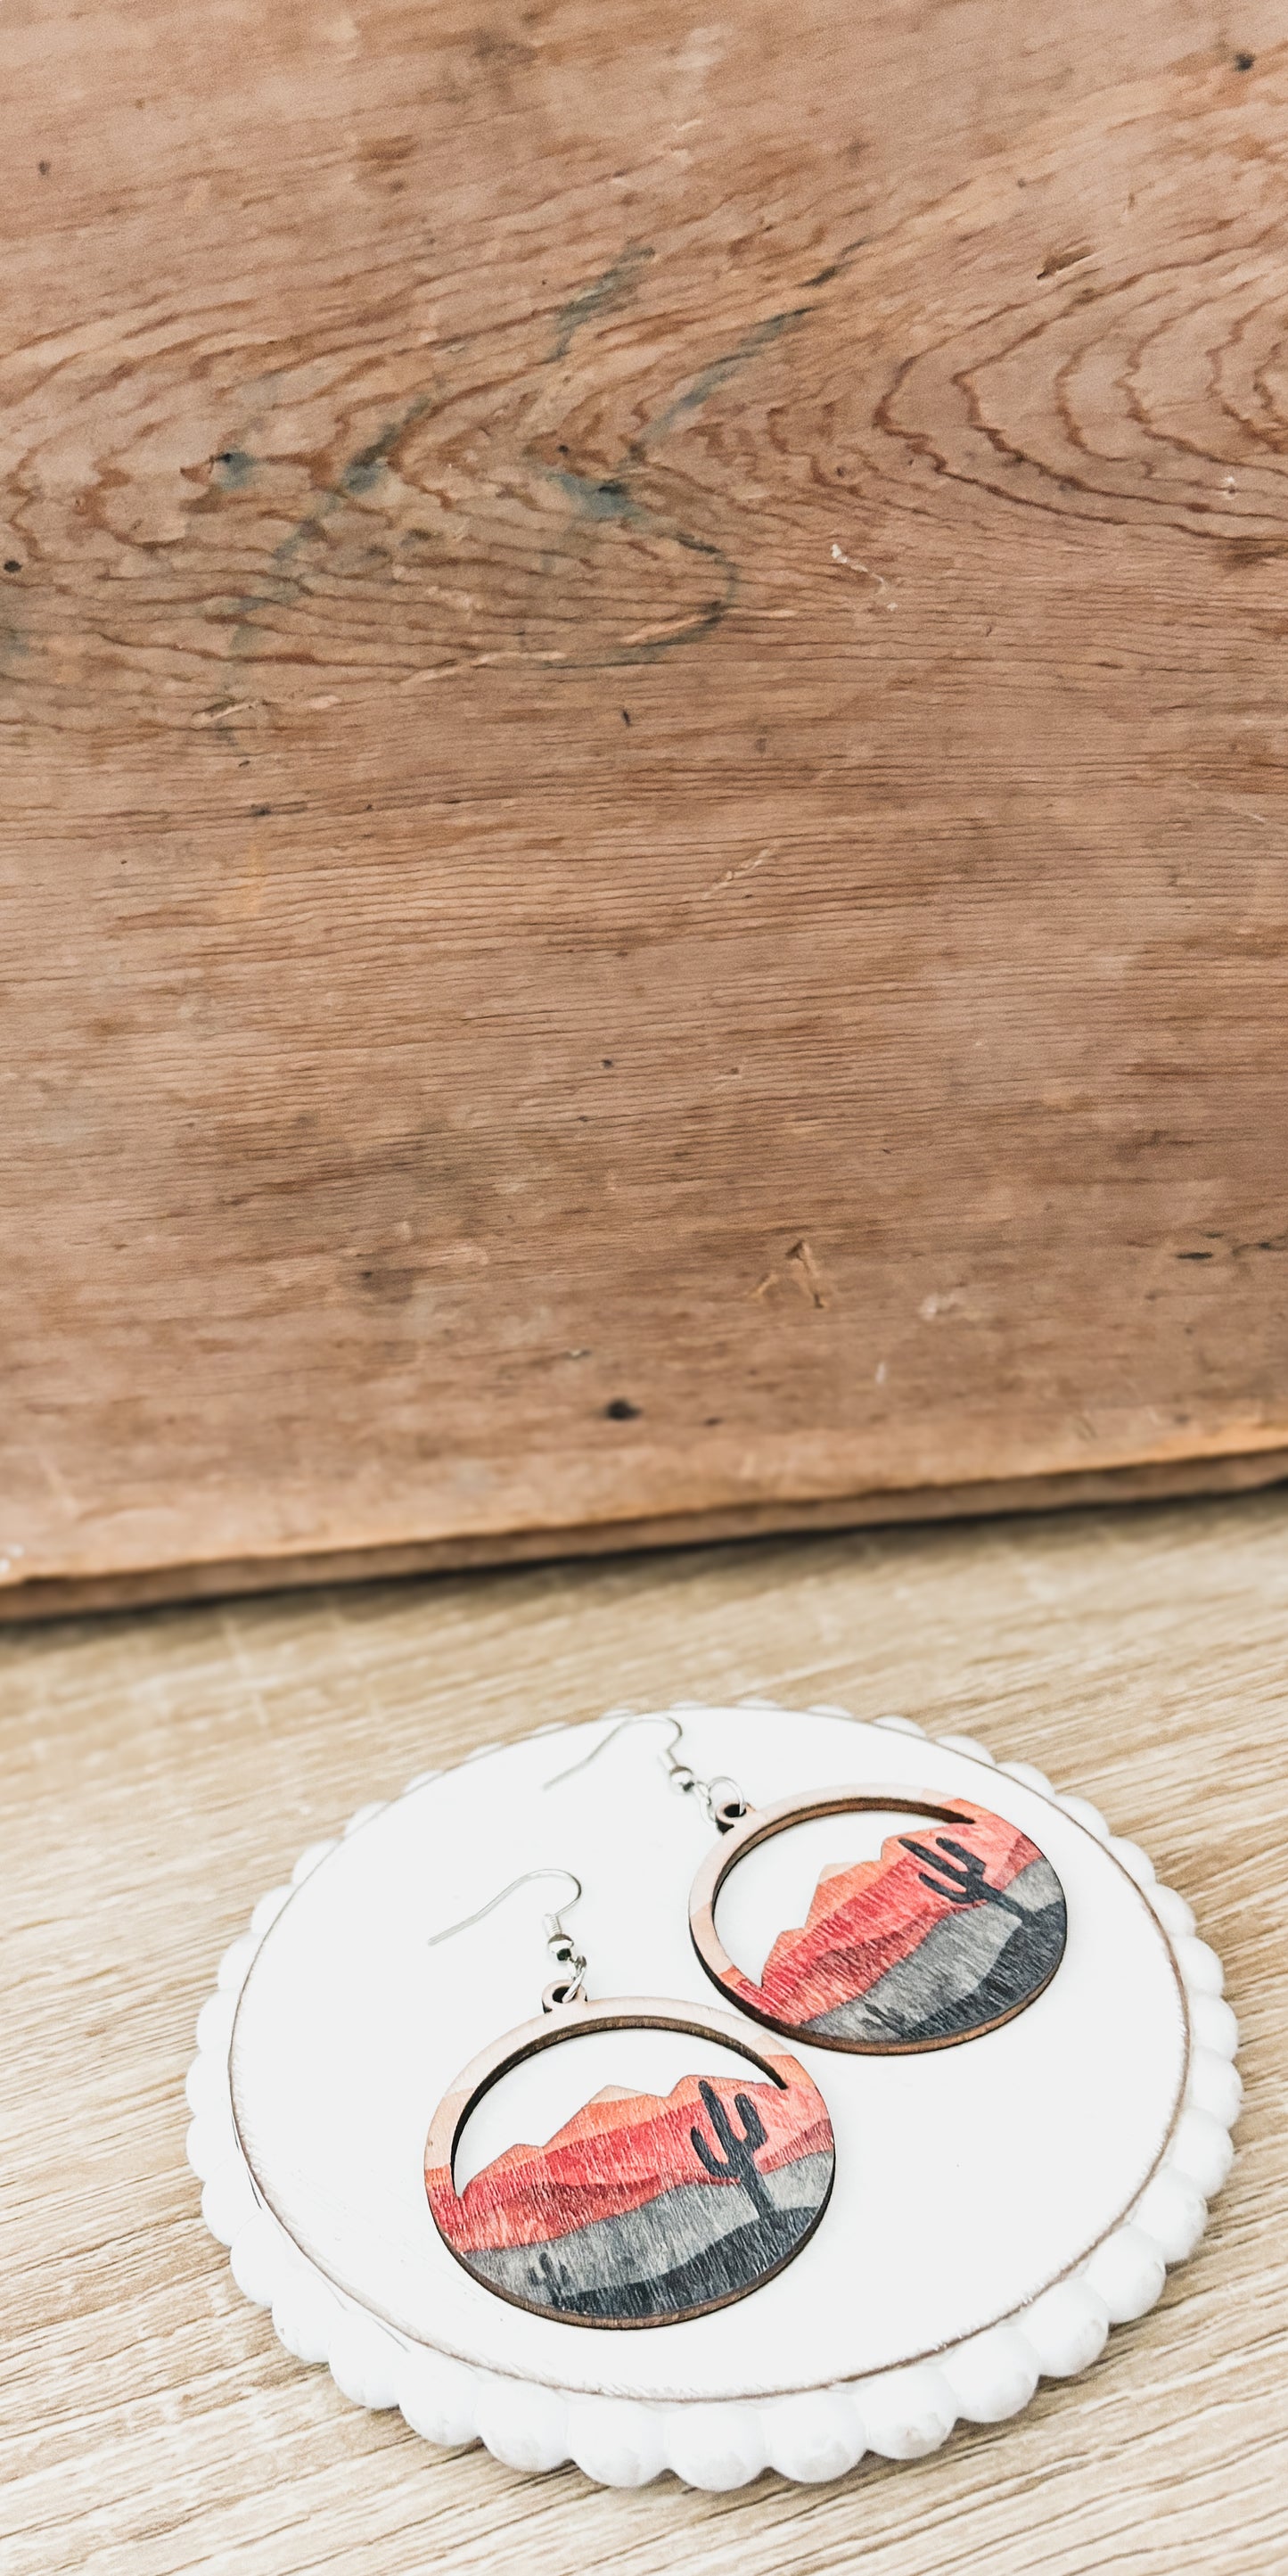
[
  {"x": 954, "y": 1928},
  {"x": 739, "y": 2164},
  {"x": 642, "y": 2210}
]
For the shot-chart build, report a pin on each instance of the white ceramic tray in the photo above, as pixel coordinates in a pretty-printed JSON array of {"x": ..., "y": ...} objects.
[{"x": 997, "y": 2206}]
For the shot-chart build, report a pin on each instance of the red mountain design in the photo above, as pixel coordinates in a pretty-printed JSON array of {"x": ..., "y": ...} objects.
[
  {"x": 865, "y": 1920},
  {"x": 616, "y": 2155}
]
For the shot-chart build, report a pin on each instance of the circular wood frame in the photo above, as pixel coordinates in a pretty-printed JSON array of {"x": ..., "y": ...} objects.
[
  {"x": 759, "y": 1825},
  {"x": 565, "y": 2022}
]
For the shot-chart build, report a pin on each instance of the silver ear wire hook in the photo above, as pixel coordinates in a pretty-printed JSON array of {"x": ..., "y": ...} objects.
[
  {"x": 585, "y": 1759},
  {"x": 723, "y": 1813},
  {"x": 559, "y": 1942}
]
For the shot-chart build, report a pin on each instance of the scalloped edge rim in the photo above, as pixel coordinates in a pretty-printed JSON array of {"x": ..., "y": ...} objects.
[{"x": 810, "y": 2435}]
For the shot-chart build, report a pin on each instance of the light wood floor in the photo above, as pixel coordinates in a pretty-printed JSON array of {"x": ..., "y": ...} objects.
[{"x": 160, "y": 1770}]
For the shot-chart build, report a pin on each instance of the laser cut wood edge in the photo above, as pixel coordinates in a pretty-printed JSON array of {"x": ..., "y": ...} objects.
[
  {"x": 141, "y": 1588},
  {"x": 556, "y": 2027},
  {"x": 759, "y": 1825},
  {"x": 810, "y": 2436}
]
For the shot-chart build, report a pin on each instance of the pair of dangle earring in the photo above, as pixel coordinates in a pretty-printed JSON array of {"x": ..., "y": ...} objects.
[
  {"x": 642, "y": 2210},
  {"x": 948, "y": 1934}
]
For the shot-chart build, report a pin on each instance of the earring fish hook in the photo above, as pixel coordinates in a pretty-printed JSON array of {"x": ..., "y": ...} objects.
[
  {"x": 567, "y": 1989},
  {"x": 675, "y": 1770},
  {"x": 723, "y": 1812},
  {"x": 466, "y": 1920}
]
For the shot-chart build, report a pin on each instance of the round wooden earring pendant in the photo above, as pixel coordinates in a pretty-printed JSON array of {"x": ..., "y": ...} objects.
[
  {"x": 951, "y": 1932},
  {"x": 641, "y": 2211}
]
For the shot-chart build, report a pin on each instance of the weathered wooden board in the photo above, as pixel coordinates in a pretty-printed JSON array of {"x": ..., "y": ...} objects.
[{"x": 643, "y": 824}]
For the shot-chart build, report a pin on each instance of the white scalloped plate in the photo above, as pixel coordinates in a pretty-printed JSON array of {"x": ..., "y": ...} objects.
[{"x": 997, "y": 2205}]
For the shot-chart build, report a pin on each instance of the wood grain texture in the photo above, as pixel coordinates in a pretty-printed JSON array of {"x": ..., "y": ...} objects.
[
  {"x": 947, "y": 1934},
  {"x": 642, "y": 850},
  {"x": 640, "y": 2209},
  {"x": 160, "y": 1772}
]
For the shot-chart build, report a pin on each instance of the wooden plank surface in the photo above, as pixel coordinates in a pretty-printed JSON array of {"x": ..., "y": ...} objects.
[
  {"x": 642, "y": 851},
  {"x": 160, "y": 1771}
]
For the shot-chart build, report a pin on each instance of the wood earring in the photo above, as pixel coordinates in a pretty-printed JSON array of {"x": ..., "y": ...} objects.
[
  {"x": 640, "y": 2210},
  {"x": 945, "y": 1936}
]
